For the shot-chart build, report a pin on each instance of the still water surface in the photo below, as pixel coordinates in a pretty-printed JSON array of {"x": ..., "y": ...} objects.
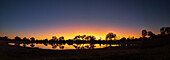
[{"x": 65, "y": 46}]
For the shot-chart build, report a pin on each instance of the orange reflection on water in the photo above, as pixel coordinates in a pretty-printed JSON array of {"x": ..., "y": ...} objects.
[{"x": 64, "y": 46}]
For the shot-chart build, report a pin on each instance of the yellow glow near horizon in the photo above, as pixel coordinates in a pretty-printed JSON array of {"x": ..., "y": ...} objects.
[
  {"x": 72, "y": 31},
  {"x": 67, "y": 36}
]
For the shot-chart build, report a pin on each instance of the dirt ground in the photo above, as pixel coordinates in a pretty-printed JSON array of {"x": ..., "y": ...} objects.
[{"x": 160, "y": 52}]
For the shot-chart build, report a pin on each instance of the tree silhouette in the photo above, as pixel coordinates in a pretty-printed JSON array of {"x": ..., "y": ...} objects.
[
  {"x": 77, "y": 37},
  {"x": 5, "y": 37},
  {"x": 92, "y": 46},
  {"x": 32, "y": 39},
  {"x": 24, "y": 39},
  {"x": 54, "y": 38},
  {"x": 114, "y": 36},
  {"x": 45, "y": 40},
  {"x": 61, "y": 38},
  {"x": 88, "y": 38},
  {"x": 32, "y": 45},
  {"x": 162, "y": 30},
  {"x": 92, "y": 38},
  {"x": 45, "y": 44},
  {"x": 17, "y": 38},
  {"x": 61, "y": 47},
  {"x": 123, "y": 39},
  {"x": 83, "y": 37},
  {"x": 110, "y": 36},
  {"x": 151, "y": 34},
  {"x": 165, "y": 30},
  {"x": 128, "y": 39},
  {"x": 144, "y": 33}
]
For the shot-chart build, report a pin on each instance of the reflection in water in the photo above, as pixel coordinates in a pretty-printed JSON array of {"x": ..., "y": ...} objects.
[
  {"x": 32, "y": 45},
  {"x": 65, "y": 46}
]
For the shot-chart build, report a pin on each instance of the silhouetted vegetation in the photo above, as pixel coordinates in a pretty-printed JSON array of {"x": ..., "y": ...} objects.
[
  {"x": 110, "y": 36},
  {"x": 32, "y": 39},
  {"x": 81, "y": 39},
  {"x": 147, "y": 46},
  {"x": 144, "y": 33},
  {"x": 165, "y": 30},
  {"x": 17, "y": 38}
]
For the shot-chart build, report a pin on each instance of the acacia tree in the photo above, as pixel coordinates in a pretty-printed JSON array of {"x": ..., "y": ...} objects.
[
  {"x": 5, "y": 37},
  {"x": 54, "y": 38},
  {"x": 83, "y": 37},
  {"x": 110, "y": 36},
  {"x": 123, "y": 39},
  {"x": 32, "y": 39},
  {"x": 165, "y": 30},
  {"x": 87, "y": 38},
  {"x": 61, "y": 38},
  {"x": 45, "y": 40},
  {"x": 17, "y": 38},
  {"x": 144, "y": 33},
  {"x": 77, "y": 37},
  {"x": 114, "y": 36},
  {"x": 24, "y": 39},
  {"x": 92, "y": 38},
  {"x": 151, "y": 34},
  {"x": 162, "y": 30}
]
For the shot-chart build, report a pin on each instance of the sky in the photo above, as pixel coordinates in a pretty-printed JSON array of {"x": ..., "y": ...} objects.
[{"x": 46, "y": 18}]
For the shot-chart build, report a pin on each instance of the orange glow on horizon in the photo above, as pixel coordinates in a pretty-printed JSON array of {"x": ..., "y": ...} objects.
[{"x": 70, "y": 32}]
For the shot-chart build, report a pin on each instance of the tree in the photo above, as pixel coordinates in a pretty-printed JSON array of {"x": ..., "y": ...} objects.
[
  {"x": 17, "y": 38},
  {"x": 32, "y": 39},
  {"x": 162, "y": 30},
  {"x": 5, "y": 37},
  {"x": 114, "y": 36},
  {"x": 144, "y": 33},
  {"x": 54, "y": 38},
  {"x": 151, "y": 34},
  {"x": 77, "y": 37},
  {"x": 83, "y": 37},
  {"x": 110, "y": 36},
  {"x": 45, "y": 40},
  {"x": 92, "y": 38},
  {"x": 24, "y": 39},
  {"x": 61, "y": 38},
  {"x": 87, "y": 38},
  {"x": 123, "y": 39},
  {"x": 165, "y": 30}
]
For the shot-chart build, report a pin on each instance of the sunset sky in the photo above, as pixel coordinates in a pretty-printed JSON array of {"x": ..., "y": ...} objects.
[{"x": 46, "y": 18}]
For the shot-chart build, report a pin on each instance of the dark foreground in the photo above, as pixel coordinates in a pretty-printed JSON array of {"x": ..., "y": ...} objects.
[{"x": 158, "y": 49}]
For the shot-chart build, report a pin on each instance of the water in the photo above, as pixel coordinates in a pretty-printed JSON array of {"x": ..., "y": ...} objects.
[{"x": 54, "y": 46}]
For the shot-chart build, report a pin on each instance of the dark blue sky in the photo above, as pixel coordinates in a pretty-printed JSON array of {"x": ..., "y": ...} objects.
[{"x": 35, "y": 15}]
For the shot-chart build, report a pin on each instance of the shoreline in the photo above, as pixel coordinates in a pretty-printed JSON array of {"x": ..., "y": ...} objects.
[{"x": 12, "y": 52}]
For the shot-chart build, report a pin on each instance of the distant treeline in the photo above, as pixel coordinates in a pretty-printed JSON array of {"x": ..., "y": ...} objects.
[{"x": 110, "y": 37}]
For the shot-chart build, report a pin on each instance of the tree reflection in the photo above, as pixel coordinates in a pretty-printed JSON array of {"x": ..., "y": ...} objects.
[
  {"x": 32, "y": 45},
  {"x": 24, "y": 44},
  {"x": 45, "y": 44},
  {"x": 82, "y": 46},
  {"x": 61, "y": 47},
  {"x": 92, "y": 46},
  {"x": 17, "y": 44}
]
